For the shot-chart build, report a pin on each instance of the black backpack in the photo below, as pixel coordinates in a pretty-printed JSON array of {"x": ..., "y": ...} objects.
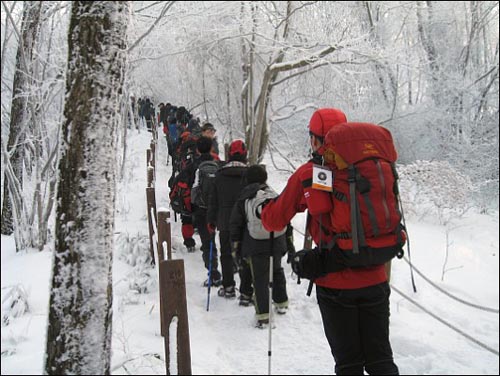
[
  {"x": 180, "y": 195},
  {"x": 206, "y": 176}
]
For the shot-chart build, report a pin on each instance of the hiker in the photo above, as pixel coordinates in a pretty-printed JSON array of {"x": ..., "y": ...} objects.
[
  {"x": 171, "y": 132},
  {"x": 194, "y": 125},
  {"x": 208, "y": 130},
  {"x": 180, "y": 201},
  {"x": 254, "y": 245},
  {"x": 229, "y": 181},
  {"x": 140, "y": 103},
  {"x": 204, "y": 169},
  {"x": 163, "y": 114},
  {"x": 354, "y": 303},
  {"x": 148, "y": 112}
]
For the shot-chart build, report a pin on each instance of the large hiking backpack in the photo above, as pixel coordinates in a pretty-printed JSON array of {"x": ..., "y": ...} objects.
[
  {"x": 180, "y": 197},
  {"x": 206, "y": 176},
  {"x": 253, "y": 209},
  {"x": 366, "y": 216}
]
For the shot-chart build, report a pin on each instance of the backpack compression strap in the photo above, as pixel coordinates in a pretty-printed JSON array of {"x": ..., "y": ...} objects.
[{"x": 358, "y": 234}]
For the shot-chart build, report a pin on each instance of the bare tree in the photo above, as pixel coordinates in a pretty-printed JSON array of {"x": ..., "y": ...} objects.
[
  {"x": 80, "y": 315},
  {"x": 20, "y": 116},
  {"x": 257, "y": 133}
]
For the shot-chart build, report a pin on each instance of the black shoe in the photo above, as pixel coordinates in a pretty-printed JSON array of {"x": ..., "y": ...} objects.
[
  {"x": 227, "y": 292},
  {"x": 245, "y": 300},
  {"x": 262, "y": 324},
  {"x": 215, "y": 282},
  {"x": 281, "y": 310},
  {"x": 189, "y": 242}
]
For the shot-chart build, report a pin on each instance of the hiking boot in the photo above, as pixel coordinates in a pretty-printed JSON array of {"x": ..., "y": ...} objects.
[
  {"x": 245, "y": 300},
  {"x": 216, "y": 282},
  {"x": 281, "y": 310},
  {"x": 262, "y": 324},
  {"x": 227, "y": 292}
]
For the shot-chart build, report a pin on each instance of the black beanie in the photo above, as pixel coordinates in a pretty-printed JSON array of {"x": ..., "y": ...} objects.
[{"x": 256, "y": 174}]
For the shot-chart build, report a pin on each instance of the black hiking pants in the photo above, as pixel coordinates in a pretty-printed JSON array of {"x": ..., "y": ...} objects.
[
  {"x": 200, "y": 222},
  {"x": 356, "y": 324},
  {"x": 259, "y": 266},
  {"x": 245, "y": 273},
  {"x": 226, "y": 259}
]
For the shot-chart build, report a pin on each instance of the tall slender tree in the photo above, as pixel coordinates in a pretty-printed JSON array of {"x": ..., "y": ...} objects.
[
  {"x": 80, "y": 314},
  {"x": 19, "y": 118}
]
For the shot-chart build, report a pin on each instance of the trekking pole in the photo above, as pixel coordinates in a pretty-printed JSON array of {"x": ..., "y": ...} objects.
[
  {"x": 210, "y": 271},
  {"x": 271, "y": 259},
  {"x": 311, "y": 281}
]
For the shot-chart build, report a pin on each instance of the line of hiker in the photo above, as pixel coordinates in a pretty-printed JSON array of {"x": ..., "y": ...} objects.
[
  {"x": 349, "y": 189},
  {"x": 204, "y": 190}
]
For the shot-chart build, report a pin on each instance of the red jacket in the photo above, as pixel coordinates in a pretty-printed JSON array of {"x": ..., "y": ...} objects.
[{"x": 296, "y": 198}]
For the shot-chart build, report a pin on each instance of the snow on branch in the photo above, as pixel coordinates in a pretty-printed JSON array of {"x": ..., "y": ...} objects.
[{"x": 289, "y": 65}]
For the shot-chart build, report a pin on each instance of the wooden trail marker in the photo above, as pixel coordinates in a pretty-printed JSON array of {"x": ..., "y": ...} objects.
[{"x": 173, "y": 303}]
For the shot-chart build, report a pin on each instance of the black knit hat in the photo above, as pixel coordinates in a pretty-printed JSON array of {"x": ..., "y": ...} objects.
[
  {"x": 208, "y": 126},
  {"x": 256, "y": 174},
  {"x": 204, "y": 144}
]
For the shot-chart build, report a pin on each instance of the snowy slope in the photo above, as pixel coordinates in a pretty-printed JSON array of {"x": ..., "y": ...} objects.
[{"x": 224, "y": 341}]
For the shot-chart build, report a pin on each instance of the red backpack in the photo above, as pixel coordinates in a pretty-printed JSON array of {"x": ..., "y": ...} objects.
[{"x": 366, "y": 216}]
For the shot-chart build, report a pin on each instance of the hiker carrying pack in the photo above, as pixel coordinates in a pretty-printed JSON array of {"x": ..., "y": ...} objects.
[
  {"x": 259, "y": 252},
  {"x": 205, "y": 177},
  {"x": 253, "y": 209},
  {"x": 361, "y": 195},
  {"x": 180, "y": 195}
]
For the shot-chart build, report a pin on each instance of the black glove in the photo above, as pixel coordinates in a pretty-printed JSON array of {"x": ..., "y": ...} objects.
[{"x": 309, "y": 263}]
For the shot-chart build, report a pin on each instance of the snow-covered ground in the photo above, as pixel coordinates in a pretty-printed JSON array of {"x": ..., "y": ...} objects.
[{"x": 225, "y": 341}]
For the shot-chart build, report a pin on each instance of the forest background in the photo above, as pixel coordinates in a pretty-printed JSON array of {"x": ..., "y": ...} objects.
[{"x": 428, "y": 71}]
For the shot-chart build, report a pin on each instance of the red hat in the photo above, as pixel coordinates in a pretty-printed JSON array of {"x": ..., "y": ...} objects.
[
  {"x": 237, "y": 147},
  {"x": 324, "y": 119}
]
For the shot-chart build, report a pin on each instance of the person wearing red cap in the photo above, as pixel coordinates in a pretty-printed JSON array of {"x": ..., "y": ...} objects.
[
  {"x": 229, "y": 182},
  {"x": 343, "y": 295}
]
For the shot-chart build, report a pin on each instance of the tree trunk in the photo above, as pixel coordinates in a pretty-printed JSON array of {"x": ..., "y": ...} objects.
[
  {"x": 80, "y": 315},
  {"x": 19, "y": 112}
]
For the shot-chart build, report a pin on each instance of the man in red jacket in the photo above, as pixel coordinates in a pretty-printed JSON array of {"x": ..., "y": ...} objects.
[{"x": 354, "y": 303}]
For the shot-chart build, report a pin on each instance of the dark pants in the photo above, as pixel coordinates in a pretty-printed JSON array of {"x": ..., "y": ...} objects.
[
  {"x": 200, "y": 222},
  {"x": 245, "y": 278},
  {"x": 356, "y": 324},
  {"x": 187, "y": 230},
  {"x": 226, "y": 259},
  {"x": 259, "y": 266}
]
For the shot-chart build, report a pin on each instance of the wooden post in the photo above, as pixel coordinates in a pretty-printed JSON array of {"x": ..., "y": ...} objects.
[
  {"x": 153, "y": 158},
  {"x": 162, "y": 237},
  {"x": 173, "y": 291},
  {"x": 151, "y": 204},
  {"x": 153, "y": 154},
  {"x": 151, "y": 172},
  {"x": 163, "y": 218}
]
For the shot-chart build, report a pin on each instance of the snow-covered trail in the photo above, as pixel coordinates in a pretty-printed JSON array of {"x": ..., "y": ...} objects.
[{"x": 224, "y": 340}]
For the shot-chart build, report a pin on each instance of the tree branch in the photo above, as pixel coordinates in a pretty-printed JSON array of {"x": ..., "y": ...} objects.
[
  {"x": 282, "y": 67},
  {"x": 162, "y": 13}
]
